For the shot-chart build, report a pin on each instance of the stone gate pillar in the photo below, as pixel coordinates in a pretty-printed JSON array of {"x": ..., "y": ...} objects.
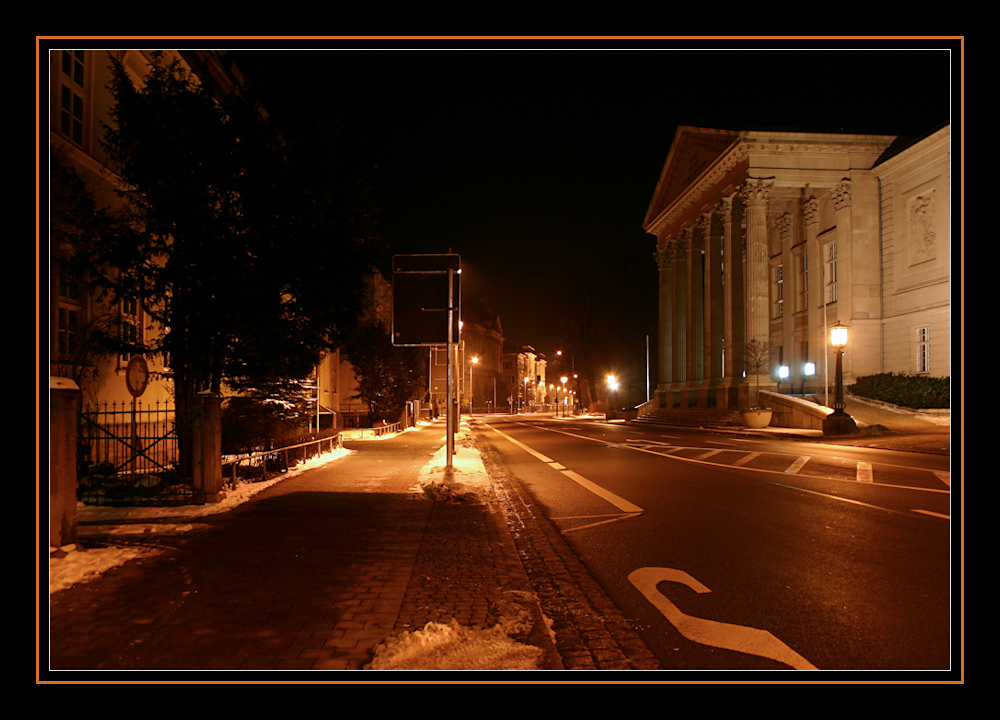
[
  {"x": 64, "y": 406},
  {"x": 208, "y": 446}
]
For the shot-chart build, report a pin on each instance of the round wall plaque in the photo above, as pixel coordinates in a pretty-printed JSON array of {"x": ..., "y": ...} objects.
[{"x": 137, "y": 375}]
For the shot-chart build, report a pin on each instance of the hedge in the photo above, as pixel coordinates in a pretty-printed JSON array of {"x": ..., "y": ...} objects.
[{"x": 912, "y": 391}]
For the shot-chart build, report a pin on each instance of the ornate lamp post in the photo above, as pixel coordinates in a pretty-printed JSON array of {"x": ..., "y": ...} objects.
[{"x": 839, "y": 422}]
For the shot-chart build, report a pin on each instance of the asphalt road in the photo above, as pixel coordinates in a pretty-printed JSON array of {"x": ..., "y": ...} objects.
[{"x": 735, "y": 553}]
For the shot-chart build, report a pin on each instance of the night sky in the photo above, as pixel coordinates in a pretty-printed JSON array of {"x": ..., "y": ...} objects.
[{"x": 537, "y": 165}]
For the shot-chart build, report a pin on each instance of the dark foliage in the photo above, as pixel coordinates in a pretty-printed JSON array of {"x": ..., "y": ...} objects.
[{"x": 913, "y": 391}]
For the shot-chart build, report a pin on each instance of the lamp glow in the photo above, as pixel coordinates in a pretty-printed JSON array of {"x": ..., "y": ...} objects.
[{"x": 838, "y": 335}]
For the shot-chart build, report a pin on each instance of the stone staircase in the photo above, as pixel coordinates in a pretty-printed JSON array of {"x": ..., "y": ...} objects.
[{"x": 690, "y": 417}]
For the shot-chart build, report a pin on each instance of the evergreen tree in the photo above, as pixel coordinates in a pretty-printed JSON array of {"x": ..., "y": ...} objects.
[
  {"x": 387, "y": 375},
  {"x": 219, "y": 240}
]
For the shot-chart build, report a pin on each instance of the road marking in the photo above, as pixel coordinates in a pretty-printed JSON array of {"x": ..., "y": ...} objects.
[
  {"x": 746, "y": 458},
  {"x": 706, "y": 455},
  {"x": 797, "y": 465},
  {"x": 864, "y": 471},
  {"x": 944, "y": 476},
  {"x": 751, "y": 641},
  {"x": 933, "y": 514},
  {"x": 619, "y": 502}
]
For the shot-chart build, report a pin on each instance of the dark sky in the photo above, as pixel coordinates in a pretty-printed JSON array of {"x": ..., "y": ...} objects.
[{"x": 537, "y": 165}]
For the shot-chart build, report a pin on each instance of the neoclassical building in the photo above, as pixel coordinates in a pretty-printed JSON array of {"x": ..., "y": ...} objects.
[{"x": 776, "y": 237}]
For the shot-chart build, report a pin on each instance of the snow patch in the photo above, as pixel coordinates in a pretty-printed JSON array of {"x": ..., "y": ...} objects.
[
  {"x": 465, "y": 481},
  {"x": 451, "y": 646}
]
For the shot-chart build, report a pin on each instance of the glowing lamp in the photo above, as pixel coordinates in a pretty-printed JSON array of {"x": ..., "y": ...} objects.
[{"x": 838, "y": 335}]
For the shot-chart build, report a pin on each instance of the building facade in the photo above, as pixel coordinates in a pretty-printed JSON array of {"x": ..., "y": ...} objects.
[
  {"x": 79, "y": 104},
  {"x": 775, "y": 237},
  {"x": 524, "y": 374}
]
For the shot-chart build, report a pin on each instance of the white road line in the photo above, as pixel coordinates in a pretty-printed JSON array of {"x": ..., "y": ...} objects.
[
  {"x": 705, "y": 456},
  {"x": 619, "y": 502},
  {"x": 797, "y": 465},
  {"x": 933, "y": 514},
  {"x": 864, "y": 471},
  {"x": 746, "y": 458},
  {"x": 944, "y": 476}
]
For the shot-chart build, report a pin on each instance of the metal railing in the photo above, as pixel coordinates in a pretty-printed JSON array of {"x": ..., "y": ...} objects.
[
  {"x": 377, "y": 431},
  {"x": 255, "y": 466}
]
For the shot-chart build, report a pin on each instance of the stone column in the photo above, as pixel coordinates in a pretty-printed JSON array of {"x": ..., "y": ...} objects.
[
  {"x": 695, "y": 316},
  {"x": 680, "y": 314},
  {"x": 755, "y": 194},
  {"x": 666, "y": 342},
  {"x": 712, "y": 233},
  {"x": 732, "y": 303}
]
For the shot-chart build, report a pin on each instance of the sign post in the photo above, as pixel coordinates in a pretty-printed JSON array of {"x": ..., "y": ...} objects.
[{"x": 426, "y": 304}]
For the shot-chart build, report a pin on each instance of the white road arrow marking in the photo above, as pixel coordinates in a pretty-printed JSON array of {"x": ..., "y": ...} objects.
[{"x": 710, "y": 632}]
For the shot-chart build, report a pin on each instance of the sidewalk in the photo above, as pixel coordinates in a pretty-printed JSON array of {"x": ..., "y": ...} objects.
[
  {"x": 376, "y": 560},
  {"x": 885, "y": 426}
]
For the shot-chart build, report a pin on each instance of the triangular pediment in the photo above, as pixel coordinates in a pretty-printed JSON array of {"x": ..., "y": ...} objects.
[{"x": 692, "y": 151}]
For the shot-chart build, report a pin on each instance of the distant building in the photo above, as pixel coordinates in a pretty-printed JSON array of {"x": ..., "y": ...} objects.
[
  {"x": 482, "y": 340},
  {"x": 777, "y": 236},
  {"x": 524, "y": 373}
]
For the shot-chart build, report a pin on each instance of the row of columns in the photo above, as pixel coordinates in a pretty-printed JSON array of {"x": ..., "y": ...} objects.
[{"x": 714, "y": 296}]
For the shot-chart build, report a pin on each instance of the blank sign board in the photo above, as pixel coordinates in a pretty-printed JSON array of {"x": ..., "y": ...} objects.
[{"x": 420, "y": 299}]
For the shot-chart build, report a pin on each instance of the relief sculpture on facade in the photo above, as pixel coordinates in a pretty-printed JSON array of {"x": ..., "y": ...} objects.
[{"x": 922, "y": 235}]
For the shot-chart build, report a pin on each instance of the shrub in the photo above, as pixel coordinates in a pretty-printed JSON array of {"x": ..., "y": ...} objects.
[{"x": 913, "y": 391}]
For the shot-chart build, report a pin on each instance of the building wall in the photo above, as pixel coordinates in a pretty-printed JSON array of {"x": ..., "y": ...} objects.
[
  {"x": 916, "y": 257},
  {"x": 79, "y": 101}
]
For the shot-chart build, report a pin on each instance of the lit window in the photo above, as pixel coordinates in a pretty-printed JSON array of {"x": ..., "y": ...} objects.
[
  {"x": 779, "y": 291},
  {"x": 830, "y": 271},
  {"x": 923, "y": 350},
  {"x": 71, "y": 98}
]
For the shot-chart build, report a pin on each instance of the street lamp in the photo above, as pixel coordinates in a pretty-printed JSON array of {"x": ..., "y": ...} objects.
[
  {"x": 839, "y": 422},
  {"x": 613, "y": 385},
  {"x": 563, "y": 380},
  {"x": 475, "y": 361}
]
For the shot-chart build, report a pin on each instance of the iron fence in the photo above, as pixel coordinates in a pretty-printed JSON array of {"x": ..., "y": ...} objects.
[{"x": 128, "y": 454}]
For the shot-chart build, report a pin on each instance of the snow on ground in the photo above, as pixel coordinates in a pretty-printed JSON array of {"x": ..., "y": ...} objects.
[{"x": 437, "y": 646}]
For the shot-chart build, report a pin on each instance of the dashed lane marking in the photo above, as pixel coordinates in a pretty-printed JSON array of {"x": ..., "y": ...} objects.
[
  {"x": 747, "y": 458},
  {"x": 797, "y": 465},
  {"x": 619, "y": 502}
]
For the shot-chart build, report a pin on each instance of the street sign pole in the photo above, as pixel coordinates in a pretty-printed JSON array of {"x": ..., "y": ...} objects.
[
  {"x": 450, "y": 416},
  {"x": 418, "y": 310}
]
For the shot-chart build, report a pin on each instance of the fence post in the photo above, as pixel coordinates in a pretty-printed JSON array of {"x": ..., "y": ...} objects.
[
  {"x": 64, "y": 405},
  {"x": 209, "y": 447}
]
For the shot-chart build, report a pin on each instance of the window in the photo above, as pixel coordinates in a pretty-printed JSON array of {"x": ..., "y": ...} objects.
[
  {"x": 830, "y": 272},
  {"x": 68, "y": 316},
  {"x": 779, "y": 291},
  {"x": 131, "y": 334},
  {"x": 71, "y": 96},
  {"x": 923, "y": 350},
  {"x": 802, "y": 291}
]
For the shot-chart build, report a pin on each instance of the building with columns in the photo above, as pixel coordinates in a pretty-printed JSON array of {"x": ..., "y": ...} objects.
[{"x": 776, "y": 237}]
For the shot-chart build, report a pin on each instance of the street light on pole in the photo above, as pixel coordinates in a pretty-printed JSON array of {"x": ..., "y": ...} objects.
[
  {"x": 475, "y": 361},
  {"x": 839, "y": 422},
  {"x": 612, "y": 385},
  {"x": 563, "y": 380}
]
